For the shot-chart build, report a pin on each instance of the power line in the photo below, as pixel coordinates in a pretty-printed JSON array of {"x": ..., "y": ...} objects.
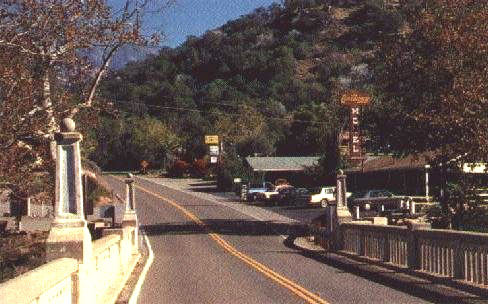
[{"x": 224, "y": 114}]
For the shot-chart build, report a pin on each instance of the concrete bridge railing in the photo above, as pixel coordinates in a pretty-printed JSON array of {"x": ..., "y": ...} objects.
[
  {"x": 450, "y": 254},
  {"x": 383, "y": 243},
  {"x": 456, "y": 256},
  {"x": 64, "y": 281},
  {"x": 55, "y": 282},
  {"x": 79, "y": 270}
]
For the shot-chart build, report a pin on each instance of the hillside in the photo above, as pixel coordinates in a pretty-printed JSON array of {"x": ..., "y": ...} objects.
[
  {"x": 276, "y": 74},
  {"x": 124, "y": 55}
]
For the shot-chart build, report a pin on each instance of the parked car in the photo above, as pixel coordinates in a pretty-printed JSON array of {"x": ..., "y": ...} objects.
[
  {"x": 367, "y": 197},
  {"x": 255, "y": 189},
  {"x": 324, "y": 195},
  {"x": 272, "y": 195},
  {"x": 286, "y": 195},
  {"x": 301, "y": 197}
]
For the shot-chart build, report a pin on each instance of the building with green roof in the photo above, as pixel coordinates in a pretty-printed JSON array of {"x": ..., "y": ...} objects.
[{"x": 292, "y": 169}]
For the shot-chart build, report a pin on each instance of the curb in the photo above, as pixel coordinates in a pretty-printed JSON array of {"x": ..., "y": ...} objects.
[
  {"x": 114, "y": 292},
  {"x": 137, "y": 289},
  {"x": 388, "y": 276}
]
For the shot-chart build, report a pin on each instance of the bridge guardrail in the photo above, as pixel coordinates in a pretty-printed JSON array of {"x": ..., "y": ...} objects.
[{"x": 451, "y": 254}]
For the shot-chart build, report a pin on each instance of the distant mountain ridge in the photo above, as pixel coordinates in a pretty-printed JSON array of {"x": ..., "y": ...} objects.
[
  {"x": 124, "y": 55},
  {"x": 131, "y": 53}
]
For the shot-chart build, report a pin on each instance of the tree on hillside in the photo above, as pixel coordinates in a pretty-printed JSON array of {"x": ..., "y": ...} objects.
[
  {"x": 46, "y": 72},
  {"x": 151, "y": 140},
  {"x": 312, "y": 127},
  {"x": 246, "y": 126},
  {"x": 281, "y": 62},
  {"x": 431, "y": 81},
  {"x": 124, "y": 142}
]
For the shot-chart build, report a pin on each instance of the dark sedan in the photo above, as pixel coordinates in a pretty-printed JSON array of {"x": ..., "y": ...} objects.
[{"x": 367, "y": 197}]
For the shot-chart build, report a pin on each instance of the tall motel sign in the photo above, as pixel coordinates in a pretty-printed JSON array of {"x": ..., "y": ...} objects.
[{"x": 355, "y": 100}]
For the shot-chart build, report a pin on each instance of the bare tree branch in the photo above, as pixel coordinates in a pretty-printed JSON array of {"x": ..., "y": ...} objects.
[{"x": 101, "y": 71}]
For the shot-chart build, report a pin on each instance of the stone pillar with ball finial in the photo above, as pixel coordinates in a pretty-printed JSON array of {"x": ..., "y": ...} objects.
[
  {"x": 129, "y": 221},
  {"x": 69, "y": 235}
]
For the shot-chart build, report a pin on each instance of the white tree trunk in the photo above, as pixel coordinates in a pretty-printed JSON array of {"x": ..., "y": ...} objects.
[{"x": 48, "y": 108}]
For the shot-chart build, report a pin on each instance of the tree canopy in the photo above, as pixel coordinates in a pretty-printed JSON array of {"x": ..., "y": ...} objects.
[
  {"x": 47, "y": 73},
  {"x": 431, "y": 81}
]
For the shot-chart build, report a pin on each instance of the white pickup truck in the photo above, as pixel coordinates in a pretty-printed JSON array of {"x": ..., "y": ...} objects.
[{"x": 324, "y": 195}]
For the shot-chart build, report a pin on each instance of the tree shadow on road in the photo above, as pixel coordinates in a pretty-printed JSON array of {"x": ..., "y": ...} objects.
[
  {"x": 203, "y": 183},
  {"x": 205, "y": 189},
  {"x": 227, "y": 227}
]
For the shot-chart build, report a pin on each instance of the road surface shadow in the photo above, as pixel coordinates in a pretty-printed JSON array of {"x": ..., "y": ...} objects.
[
  {"x": 227, "y": 227},
  {"x": 300, "y": 207},
  {"x": 424, "y": 290},
  {"x": 204, "y": 189},
  {"x": 203, "y": 184}
]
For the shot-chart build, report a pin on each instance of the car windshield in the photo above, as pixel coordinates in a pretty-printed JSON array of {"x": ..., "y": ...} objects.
[
  {"x": 382, "y": 193},
  {"x": 315, "y": 190}
]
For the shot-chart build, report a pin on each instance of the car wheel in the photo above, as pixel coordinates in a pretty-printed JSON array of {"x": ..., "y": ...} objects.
[{"x": 324, "y": 203}]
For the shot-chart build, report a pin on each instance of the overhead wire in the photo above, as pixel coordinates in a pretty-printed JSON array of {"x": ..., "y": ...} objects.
[{"x": 218, "y": 113}]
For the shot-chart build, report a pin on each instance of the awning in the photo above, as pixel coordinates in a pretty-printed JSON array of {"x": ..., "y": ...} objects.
[{"x": 277, "y": 164}]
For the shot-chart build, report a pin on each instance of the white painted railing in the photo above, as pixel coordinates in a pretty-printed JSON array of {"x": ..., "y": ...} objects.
[
  {"x": 461, "y": 255},
  {"x": 106, "y": 263},
  {"x": 451, "y": 254},
  {"x": 49, "y": 284},
  {"x": 379, "y": 242},
  {"x": 59, "y": 281}
]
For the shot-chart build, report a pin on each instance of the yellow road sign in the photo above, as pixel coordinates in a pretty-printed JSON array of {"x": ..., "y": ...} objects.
[{"x": 211, "y": 139}]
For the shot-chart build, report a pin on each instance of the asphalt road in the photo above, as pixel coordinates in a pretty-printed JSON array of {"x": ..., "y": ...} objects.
[
  {"x": 302, "y": 214},
  {"x": 211, "y": 251}
]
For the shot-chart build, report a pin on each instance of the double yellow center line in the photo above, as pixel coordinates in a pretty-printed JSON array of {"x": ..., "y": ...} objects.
[{"x": 298, "y": 290}]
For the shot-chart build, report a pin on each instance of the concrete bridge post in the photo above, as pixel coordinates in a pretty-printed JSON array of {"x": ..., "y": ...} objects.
[
  {"x": 342, "y": 212},
  {"x": 129, "y": 221},
  {"x": 69, "y": 236}
]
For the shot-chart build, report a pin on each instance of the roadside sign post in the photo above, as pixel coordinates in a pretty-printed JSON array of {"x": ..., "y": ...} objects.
[
  {"x": 211, "y": 139},
  {"x": 214, "y": 150},
  {"x": 244, "y": 191},
  {"x": 214, "y": 143}
]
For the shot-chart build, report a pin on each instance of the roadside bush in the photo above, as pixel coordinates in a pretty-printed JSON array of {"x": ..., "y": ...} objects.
[
  {"x": 178, "y": 168},
  {"x": 200, "y": 167},
  {"x": 143, "y": 165}
]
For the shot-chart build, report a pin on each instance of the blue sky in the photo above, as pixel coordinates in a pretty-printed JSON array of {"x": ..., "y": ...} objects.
[{"x": 195, "y": 17}]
